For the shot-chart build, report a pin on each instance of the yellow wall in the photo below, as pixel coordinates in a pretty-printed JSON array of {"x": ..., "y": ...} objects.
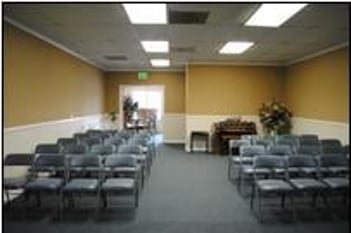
[
  {"x": 319, "y": 88},
  {"x": 173, "y": 83},
  {"x": 227, "y": 90},
  {"x": 42, "y": 83}
]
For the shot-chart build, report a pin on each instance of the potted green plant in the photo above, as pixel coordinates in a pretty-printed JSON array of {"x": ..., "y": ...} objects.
[
  {"x": 129, "y": 107},
  {"x": 275, "y": 118}
]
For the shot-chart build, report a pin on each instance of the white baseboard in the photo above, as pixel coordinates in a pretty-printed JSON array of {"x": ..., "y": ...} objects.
[
  {"x": 324, "y": 129},
  {"x": 24, "y": 138}
]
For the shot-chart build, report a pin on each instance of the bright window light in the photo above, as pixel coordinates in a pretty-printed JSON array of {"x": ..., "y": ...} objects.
[
  {"x": 155, "y": 46},
  {"x": 159, "y": 62},
  {"x": 150, "y": 13},
  {"x": 235, "y": 47},
  {"x": 273, "y": 15}
]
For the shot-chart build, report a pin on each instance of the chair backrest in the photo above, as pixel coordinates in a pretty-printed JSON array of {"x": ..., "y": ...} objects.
[
  {"x": 280, "y": 150},
  {"x": 269, "y": 161},
  {"x": 116, "y": 160},
  {"x": 116, "y": 140},
  {"x": 331, "y": 146},
  {"x": 98, "y": 149},
  {"x": 19, "y": 159},
  {"x": 252, "y": 150},
  {"x": 235, "y": 144},
  {"x": 132, "y": 149},
  {"x": 84, "y": 161},
  {"x": 64, "y": 142},
  {"x": 334, "y": 160},
  {"x": 77, "y": 149},
  {"x": 308, "y": 139},
  {"x": 94, "y": 132},
  {"x": 262, "y": 141},
  {"x": 92, "y": 141},
  {"x": 139, "y": 141},
  {"x": 125, "y": 134},
  {"x": 47, "y": 148},
  {"x": 330, "y": 142},
  {"x": 80, "y": 136},
  {"x": 309, "y": 150},
  {"x": 302, "y": 161},
  {"x": 49, "y": 160}
]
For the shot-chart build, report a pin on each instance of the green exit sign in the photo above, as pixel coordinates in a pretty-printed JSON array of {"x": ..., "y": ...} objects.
[{"x": 143, "y": 75}]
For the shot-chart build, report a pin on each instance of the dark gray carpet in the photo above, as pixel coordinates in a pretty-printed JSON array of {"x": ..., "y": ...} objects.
[{"x": 185, "y": 193}]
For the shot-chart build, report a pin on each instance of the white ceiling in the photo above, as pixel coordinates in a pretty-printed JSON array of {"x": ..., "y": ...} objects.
[{"x": 95, "y": 30}]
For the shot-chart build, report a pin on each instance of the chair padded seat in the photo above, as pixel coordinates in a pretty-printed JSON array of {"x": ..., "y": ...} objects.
[
  {"x": 125, "y": 169},
  {"x": 14, "y": 182},
  {"x": 44, "y": 183},
  {"x": 238, "y": 159},
  {"x": 307, "y": 183},
  {"x": 250, "y": 170},
  {"x": 81, "y": 184},
  {"x": 337, "y": 182},
  {"x": 338, "y": 169},
  {"x": 308, "y": 170},
  {"x": 118, "y": 184},
  {"x": 272, "y": 185}
]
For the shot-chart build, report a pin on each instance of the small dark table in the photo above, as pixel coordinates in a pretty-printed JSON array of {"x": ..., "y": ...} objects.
[{"x": 201, "y": 135}]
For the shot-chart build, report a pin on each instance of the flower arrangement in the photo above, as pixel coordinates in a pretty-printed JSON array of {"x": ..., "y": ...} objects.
[{"x": 275, "y": 118}]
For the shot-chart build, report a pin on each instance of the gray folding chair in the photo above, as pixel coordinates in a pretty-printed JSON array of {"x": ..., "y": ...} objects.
[
  {"x": 63, "y": 143},
  {"x": 138, "y": 152},
  {"x": 305, "y": 182},
  {"x": 335, "y": 174},
  {"x": 247, "y": 155},
  {"x": 43, "y": 171},
  {"x": 269, "y": 183},
  {"x": 83, "y": 177},
  {"x": 14, "y": 184},
  {"x": 234, "y": 153},
  {"x": 121, "y": 177}
]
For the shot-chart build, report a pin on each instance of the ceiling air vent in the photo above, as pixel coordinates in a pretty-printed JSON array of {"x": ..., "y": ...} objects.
[
  {"x": 183, "y": 49},
  {"x": 187, "y": 17},
  {"x": 115, "y": 57}
]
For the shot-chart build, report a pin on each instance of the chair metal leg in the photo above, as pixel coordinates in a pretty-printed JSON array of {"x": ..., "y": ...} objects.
[
  {"x": 253, "y": 193},
  {"x": 229, "y": 169},
  {"x": 136, "y": 198},
  {"x": 282, "y": 203},
  {"x": 259, "y": 206}
]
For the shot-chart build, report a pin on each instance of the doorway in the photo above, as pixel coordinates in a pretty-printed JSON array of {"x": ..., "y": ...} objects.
[{"x": 150, "y": 100}]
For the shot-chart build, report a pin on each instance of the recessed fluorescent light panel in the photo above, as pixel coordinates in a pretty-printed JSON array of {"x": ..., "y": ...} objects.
[
  {"x": 274, "y": 15},
  {"x": 159, "y": 62},
  {"x": 150, "y": 13},
  {"x": 155, "y": 46},
  {"x": 235, "y": 47}
]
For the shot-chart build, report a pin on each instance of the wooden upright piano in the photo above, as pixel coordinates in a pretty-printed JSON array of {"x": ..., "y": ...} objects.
[{"x": 229, "y": 129}]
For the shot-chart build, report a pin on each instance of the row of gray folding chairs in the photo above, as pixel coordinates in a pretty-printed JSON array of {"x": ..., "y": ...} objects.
[
  {"x": 65, "y": 176},
  {"x": 248, "y": 152},
  {"x": 298, "y": 175},
  {"x": 326, "y": 146}
]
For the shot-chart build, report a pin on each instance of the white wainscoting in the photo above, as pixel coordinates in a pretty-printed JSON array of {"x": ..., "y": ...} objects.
[
  {"x": 173, "y": 128},
  {"x": 24, "y": 138},
  {"x": 324, "y": 129},
  {"x": 205, "y": 123}
]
